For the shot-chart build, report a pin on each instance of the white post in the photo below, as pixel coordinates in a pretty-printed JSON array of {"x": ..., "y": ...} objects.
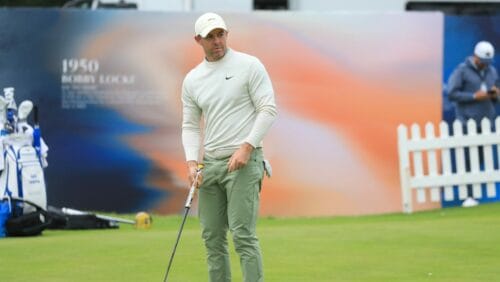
[
  {"x": 418, "y": 164},
  {"x": 432, "y": 161},
  {"x": 488, "y": 157},
  {"x": 446, "y": 160},
  {"x": 460, "y": 158},
  {"x": 474, "y": 158},
  {"x": 404, "y": 168},
  {"x": 497, "y": 132}
]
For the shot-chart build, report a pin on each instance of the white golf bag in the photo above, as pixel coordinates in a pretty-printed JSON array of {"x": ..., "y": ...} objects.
[
  {"x": 23, "y": 198},
  {"x": 22, "y": 156},
  {"x": 22, "y": 175}
]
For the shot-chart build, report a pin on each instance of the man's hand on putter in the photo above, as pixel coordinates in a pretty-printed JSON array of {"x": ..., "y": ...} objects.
[
  {"x": 192, "y": 170},
  {"x": 240, "y": 158}
]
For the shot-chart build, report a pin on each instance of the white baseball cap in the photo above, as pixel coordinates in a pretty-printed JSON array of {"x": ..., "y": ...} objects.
[
  {"x": 484, "y": 51},
  {"x": 208, "y": 22}
]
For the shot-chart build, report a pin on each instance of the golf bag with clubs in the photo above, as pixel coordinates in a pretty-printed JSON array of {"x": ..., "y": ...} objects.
[{"x": 22, "y": 161}]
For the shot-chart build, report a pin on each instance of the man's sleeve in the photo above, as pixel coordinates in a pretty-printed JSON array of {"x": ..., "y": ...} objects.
[
  {"x": 262, "y": 95},
  {"x": 191, "y": 115},
  {"x": 455, "y": 85}
]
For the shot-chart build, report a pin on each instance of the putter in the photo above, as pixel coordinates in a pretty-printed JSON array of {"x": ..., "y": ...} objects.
[
  {"x": 187, "y": 206},
  {"x": 70, "y": 211}
]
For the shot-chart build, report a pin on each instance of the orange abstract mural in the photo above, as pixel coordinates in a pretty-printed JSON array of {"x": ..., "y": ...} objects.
[{"x": 343, "y": 83}]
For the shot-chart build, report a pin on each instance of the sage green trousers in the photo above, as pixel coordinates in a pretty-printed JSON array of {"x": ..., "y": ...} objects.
[{"x": 230, "y": 201}]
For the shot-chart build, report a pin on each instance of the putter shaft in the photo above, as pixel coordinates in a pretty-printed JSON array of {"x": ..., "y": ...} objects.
[
  {"x": 187, "y": 206},
  {"x": 176, "y": 243}
]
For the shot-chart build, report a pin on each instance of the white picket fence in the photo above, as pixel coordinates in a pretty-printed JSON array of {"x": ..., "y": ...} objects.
[{"x": 436, "y": 150}]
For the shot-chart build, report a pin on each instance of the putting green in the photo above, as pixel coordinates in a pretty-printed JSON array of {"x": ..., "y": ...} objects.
[{"x": 454, "y": 244}]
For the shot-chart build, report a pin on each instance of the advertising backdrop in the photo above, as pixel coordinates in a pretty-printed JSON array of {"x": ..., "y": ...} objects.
[{"x": 108, "y": 85}]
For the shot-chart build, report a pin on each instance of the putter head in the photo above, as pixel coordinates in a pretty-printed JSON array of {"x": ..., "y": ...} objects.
[{"x": 24, "y": 109}]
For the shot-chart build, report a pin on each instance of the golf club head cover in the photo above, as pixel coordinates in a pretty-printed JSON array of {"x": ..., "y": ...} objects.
[{"x": 24, "y": 110}]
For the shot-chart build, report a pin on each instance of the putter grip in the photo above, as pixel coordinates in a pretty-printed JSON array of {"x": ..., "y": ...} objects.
[{"x": 190, "y": 197}]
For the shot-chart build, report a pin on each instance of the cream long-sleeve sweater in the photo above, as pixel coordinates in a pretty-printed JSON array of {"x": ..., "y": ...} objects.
[{"x": 236, "y": 98}]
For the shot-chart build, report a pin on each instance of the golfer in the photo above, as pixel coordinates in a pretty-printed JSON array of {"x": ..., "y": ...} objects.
[{"x": 234, "y": 94}]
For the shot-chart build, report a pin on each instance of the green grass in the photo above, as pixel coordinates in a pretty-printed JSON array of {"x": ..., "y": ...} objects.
[{"x": 454, "y": 244}]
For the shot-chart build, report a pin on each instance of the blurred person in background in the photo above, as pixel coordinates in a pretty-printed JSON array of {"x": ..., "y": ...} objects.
[{"x": 474, "y": 88}]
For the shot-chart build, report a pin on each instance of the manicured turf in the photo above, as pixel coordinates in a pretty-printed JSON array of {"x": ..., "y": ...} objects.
[{"x": 454, "y": 244}]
